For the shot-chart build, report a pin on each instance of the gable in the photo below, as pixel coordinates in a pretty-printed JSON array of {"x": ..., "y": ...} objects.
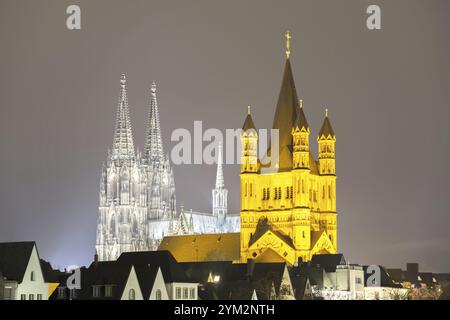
[
  {"x": 132, "y": 284},
  {"x": 159, "y": 284},
  {"x": 322, "y": 244},
  {"x": 271, "y": 241}
]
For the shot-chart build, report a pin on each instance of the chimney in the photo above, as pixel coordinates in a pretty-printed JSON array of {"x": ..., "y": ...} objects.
[{"x": 95, "y": 259}]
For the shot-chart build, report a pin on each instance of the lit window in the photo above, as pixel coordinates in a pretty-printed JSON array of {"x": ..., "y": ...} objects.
[{"x": 216, "y": 278}]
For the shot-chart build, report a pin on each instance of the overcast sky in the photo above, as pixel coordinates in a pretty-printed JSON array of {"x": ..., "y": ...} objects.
[{"x": 387, "y": 92}]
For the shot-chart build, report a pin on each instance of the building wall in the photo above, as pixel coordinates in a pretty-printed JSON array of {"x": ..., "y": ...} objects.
[{"x": 33, "y": 290}]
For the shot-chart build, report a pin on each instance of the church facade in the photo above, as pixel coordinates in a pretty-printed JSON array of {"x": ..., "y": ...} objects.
[
  {"x": 288, "y": 208},
  {"x": 137, "y": 192}
]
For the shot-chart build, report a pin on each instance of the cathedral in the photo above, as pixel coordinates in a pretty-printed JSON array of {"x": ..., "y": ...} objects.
[
  {"x": 137, "y": 192},
  {"x": 288, "y": 205}
]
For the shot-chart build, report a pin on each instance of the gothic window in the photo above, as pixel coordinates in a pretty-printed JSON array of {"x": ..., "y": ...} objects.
[
  {"x": 131, "y": 294},
  {"x": 329, "y": 192},
  {"x": 158, "y": 295},
  {"x": 303, "y": 186},
  {"x": 251, "y": 190},
  {"x": 323, "y": 192},
  {"x": 292, "y": 191},
  {"x": 303, "y": 234}
]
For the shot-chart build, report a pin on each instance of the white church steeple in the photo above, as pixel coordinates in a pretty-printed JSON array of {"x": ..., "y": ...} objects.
[{"x": 220, "y": 193}]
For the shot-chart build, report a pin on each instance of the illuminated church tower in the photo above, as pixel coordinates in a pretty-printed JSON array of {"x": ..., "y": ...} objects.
[{"x": 288, "y": 208}]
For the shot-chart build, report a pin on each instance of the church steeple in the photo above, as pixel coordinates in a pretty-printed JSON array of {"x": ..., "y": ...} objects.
[
  {"x": 123, "y": 145},
  {"x": 153, "y": 152},
  {"x": 287, "y": 113},
  {"x": 220, "y": 194},
  {"x": 220, "y": 183}
]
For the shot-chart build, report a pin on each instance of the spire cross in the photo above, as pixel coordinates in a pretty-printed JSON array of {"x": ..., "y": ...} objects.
[
  {"x": 248, "y": 109},
  {"x": 123, "y": 81},
  {"x": 288, "y": 44},
  {"x": 326, "y": 112},
  {"x": 301, "y": 103}
]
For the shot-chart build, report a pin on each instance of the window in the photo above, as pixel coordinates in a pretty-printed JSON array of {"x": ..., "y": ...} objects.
[
  {"x": 358, "y": 280},
  {"x": 108, "y": 291},
  {"x": 8, "y": 294},
  {"x": 158, "y": 295},
  {"x": 185, "y": 293},
  {"x": 61, "y": 292},
  {"x": 32, "y": 276},
  {"x": 178, "y": 293},
  {"x": 96, "y": 291},
  {"x": 192, "y": 293},
  {"x": 131, "y": 294},
  {"x": 23, "y": 297},
  {"x": 39, "y": 296},
  {"x": 31, "y": 296}
]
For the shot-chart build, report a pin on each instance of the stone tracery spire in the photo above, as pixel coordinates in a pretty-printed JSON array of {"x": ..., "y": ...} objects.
[
  {"x": 220, "y": 183},
  {"x": 123, "y": 145},
  {"x": 153, "y": 152}
]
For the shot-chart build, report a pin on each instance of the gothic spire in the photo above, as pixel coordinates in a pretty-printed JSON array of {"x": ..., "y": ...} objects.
[
  {"x": 220, "y": 183},
  {"x": 123, "y": 146},
  {"x": 153, "y": 143}
]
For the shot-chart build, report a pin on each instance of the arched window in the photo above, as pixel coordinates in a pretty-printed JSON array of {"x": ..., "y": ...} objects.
[
  {"x": 32, "y": 276},
  {"x": 158, "y": 295},
  {"x": 131, "y": 294}
]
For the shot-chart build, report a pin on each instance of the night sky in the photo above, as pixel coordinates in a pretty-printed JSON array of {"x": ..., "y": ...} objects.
[{"x": 387, "y": 92}]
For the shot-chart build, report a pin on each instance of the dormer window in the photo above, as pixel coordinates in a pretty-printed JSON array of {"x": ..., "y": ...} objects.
[{"x": 96, "y": 291}]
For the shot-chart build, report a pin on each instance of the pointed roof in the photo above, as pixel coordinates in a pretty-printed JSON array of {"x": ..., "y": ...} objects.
[
  {"x": 301, "y": 122},
  {"x": 326, "y": 130},
  {"x": 287, "y": 115},
  {"x": 123, "y": 145},
  {"x": 220, "y": 182},
  {"x": 14, "y": 258},
  {"x": 248, "y": 123},
  {"x": 153, "y": 151}
]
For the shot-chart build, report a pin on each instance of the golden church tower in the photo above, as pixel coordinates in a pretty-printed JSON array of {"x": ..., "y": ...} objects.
[{"x": 288, "y": 208}]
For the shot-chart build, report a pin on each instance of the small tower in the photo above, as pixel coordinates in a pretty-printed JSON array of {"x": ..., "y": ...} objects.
[
  {"x": 220, "y": 193},
  {"x": 249, "y": 170},
  {"x": 300, "y": 136},
  {"x": 327, "y": 169},
  {"x": 326, "y": 141},
  {"x": 249, "y": 143}
]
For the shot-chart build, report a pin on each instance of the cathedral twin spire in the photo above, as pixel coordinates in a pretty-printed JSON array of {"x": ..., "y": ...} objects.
[
  {"x": 153, "y": 143},
  {"x": 123, "y": 144}
]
